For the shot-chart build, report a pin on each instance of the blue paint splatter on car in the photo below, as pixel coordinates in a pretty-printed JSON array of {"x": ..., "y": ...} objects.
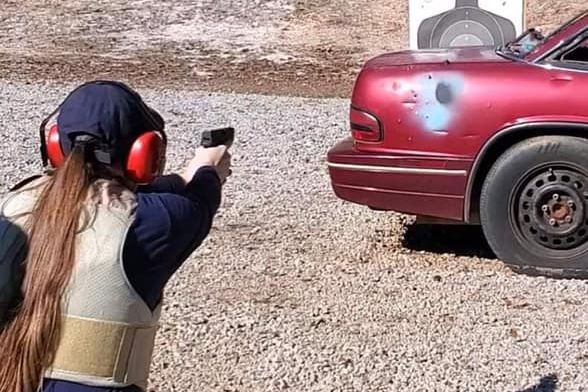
[{"x": 438, "y": 94}]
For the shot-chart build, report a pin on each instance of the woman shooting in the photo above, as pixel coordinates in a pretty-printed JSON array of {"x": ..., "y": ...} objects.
[{"x": 87, "y": 248}]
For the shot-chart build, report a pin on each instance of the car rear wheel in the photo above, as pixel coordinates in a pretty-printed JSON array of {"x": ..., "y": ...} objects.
[{"x": 534, "y": 209}]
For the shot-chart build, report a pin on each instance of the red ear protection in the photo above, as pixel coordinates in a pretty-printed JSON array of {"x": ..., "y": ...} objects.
[
  {"x": 54, "y": 152},
  {"x": 145, "y": 160}
]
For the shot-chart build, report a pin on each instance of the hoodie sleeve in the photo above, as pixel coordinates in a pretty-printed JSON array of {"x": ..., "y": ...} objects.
[{"x": 171, "y": 222}]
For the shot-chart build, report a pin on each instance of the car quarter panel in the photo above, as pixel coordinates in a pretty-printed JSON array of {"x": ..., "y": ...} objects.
[{"x": 453, "y": 109}]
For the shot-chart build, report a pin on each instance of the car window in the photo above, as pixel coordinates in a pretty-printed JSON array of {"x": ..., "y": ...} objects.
[
  {"x": 574, "y": 56},
  {"x": 577, "y": 54}
]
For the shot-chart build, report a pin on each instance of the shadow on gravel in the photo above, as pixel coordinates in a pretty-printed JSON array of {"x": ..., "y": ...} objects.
[
  {"x": 460, "y": 240},
  {"x": 546, "y": 384}
]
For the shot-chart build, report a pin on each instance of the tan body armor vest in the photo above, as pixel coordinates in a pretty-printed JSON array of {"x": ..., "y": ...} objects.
[{"x": 108, "y": 330}]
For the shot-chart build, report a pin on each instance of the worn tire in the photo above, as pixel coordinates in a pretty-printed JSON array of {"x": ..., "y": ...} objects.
[{"x": 534, "y": 210}]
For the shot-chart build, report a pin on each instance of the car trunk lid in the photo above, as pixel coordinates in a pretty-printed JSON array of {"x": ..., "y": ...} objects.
[{"x": 440, "y": 56}]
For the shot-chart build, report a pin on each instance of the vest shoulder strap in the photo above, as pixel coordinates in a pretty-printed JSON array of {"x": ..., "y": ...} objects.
[{"x": 25, "y": 182}]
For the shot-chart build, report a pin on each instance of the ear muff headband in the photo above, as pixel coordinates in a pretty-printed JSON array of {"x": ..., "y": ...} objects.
[
  {"x": 154, "y": 118},
  {"x": 144, "y": 160}
]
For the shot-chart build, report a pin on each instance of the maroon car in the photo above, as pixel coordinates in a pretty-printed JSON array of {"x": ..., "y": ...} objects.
[{"x": 490, "y": 136}]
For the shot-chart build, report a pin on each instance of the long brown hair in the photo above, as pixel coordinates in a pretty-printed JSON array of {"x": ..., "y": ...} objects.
[{"x": 29, "y": 339}]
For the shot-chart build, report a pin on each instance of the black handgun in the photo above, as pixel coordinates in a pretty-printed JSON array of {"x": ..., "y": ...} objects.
[{"x": 217, "y": 137}]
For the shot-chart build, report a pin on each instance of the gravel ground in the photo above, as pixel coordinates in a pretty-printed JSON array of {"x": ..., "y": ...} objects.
[{"x": 296, "y": 290}]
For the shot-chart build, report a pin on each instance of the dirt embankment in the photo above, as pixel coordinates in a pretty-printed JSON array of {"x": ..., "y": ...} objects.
[{"x": 283, "y": 47}]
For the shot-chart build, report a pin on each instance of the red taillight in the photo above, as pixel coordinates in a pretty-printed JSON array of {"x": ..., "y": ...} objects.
[{"x": 365, "y": 127}]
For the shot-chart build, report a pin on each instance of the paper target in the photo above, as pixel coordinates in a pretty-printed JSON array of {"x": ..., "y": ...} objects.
[{"x": 438, "y": 24}]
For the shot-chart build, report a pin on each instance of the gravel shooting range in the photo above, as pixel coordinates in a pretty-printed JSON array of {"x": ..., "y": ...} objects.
[{"x": 295, "y": 288}]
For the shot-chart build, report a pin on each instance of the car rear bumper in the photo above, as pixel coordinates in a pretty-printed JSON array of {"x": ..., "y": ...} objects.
[{"x": 409, "y": 183}]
